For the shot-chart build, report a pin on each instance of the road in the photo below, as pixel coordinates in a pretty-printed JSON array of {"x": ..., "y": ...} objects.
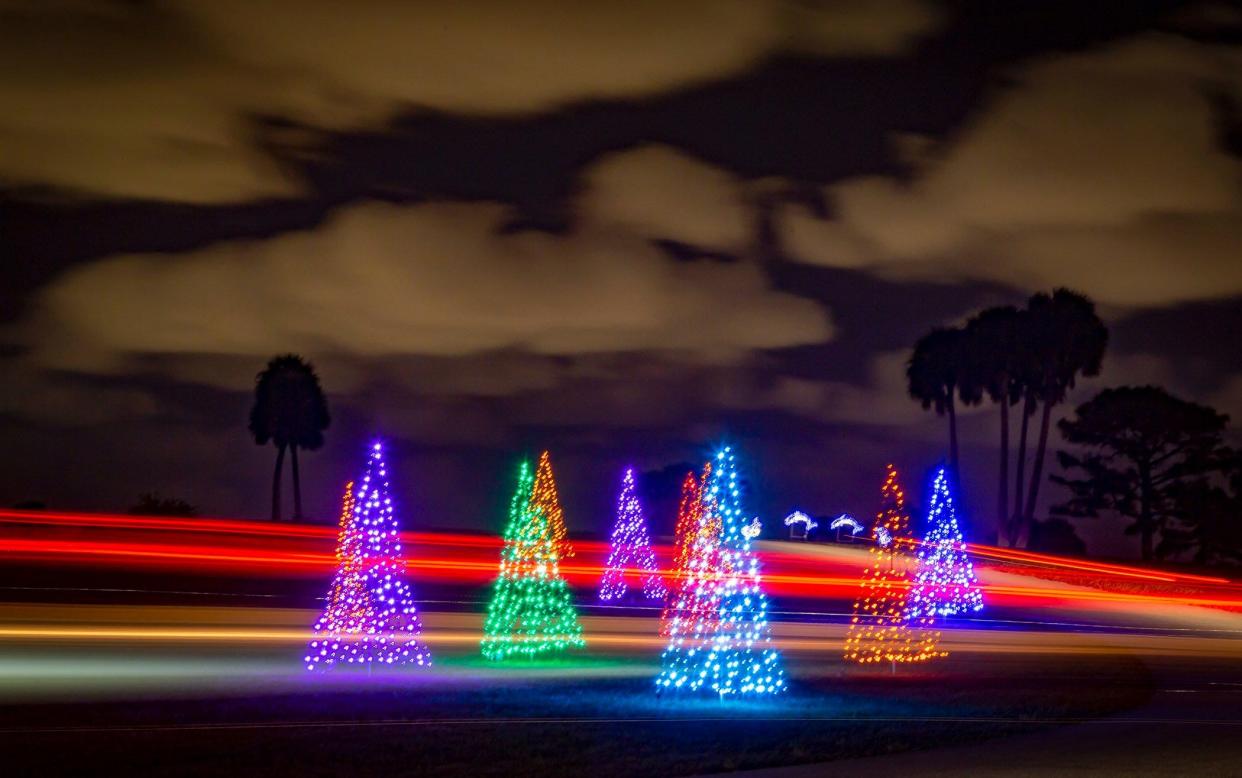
[
  {"x": 181, "y": 642},
  {"x": 1192, "y": 726}
]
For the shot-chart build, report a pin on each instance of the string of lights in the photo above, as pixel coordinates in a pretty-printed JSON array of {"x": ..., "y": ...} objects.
[
  {"x": 944, "y": 583},
  {"x": 544, "y": 497},
  {"x": 880, "y": 630},
  {"x": 695, "y": 540},
  {"x": 733, "y": 653},
  {"x": 631, "y": 548},
  {"x": 370, "y": 616},
  {"x": 531, "y": 612}
]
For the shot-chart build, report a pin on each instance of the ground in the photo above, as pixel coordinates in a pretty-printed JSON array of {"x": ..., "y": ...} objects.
[{"x": 567, "y": 716}]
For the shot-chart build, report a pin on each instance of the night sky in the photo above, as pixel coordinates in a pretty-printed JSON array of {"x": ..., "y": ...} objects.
[{"x": 626, "y": 232}]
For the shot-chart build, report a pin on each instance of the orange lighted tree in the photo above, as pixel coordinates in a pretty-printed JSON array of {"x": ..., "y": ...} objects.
[
  {"x": 879, "y": 630},
  {"x": 695, "y": 540},
  {"x": 543, "y": 497}
]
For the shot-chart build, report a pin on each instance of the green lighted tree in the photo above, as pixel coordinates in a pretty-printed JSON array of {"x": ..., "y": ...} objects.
[{"x": 531, "y": 611}]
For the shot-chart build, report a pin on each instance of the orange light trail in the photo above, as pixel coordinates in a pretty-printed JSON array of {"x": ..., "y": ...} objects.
[{"x": 639, "y": 635}]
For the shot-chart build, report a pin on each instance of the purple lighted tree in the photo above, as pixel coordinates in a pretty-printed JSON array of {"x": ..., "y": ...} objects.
[
  {"x": 631, "y": 551},
  {"x": 370, "y": 616}
]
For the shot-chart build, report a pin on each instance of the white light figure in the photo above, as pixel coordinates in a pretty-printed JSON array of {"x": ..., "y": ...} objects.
[
  {"x": 846, "y": 520},
  {"x": 796, "y": 518},
  {"x": 752, "y": 530}
]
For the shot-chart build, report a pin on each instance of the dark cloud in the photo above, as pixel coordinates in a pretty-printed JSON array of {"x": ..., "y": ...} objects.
[{"x": 158, "y": 101}]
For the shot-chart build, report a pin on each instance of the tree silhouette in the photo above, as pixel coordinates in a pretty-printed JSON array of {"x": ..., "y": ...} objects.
[
  {"x": 1056, "y": 536},
  {"x": 1209, "y": 517},
  {"x": 994, "y": 355},
  {"x": 1033, "y": 356},
  {"x": 152, "y": 504},
  {"x": 1066, "y": 339},
  {"x": 289, "y": 410},
  {"x": 935, "y": 372},
  {"x": 1143, "y": 448}
]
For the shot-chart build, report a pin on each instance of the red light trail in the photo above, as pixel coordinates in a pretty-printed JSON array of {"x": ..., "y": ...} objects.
[{"x": 219, "y": 546}]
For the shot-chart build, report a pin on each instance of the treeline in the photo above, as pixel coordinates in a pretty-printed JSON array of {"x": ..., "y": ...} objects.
[
  {"x": 1140, "y": 452},
  {"x": 1026, "y": 357}
]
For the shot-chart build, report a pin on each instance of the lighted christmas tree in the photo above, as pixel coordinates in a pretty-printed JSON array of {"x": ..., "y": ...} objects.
[
  {"x": 945, "y": 583},
  {"x": 689, "y": 517},
  {"x": 370, "y": 617},
  {"x": 531, "y": 611},
  {"x": 631, "y": 552},
  {"x": 543, "y": 496},
  {"x": 694, "y": 541},
  {"x": 733, "y": 652},
  {"x": 880, "y": 630}
]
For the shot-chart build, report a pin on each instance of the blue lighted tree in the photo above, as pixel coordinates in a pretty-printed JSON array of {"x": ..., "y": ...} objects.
[
  {"x": 944, "y": 582},
  {"x": 732, "y": 654}
]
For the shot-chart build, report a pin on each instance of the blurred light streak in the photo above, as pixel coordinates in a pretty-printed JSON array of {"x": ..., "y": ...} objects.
[
  {"x": 815, "y": 571},
  {"x": 801, "y": 637},
  {"x": 1011, "y": 554},
  {"x": 241, "y": 527}
]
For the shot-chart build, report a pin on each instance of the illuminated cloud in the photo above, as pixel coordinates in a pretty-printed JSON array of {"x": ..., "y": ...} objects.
[
  {"x": 159, "y": 100},
  {"x": 382, "y": 280},
  {"x": 1103, "y": 170},
  {"x": 660, "y": 192}
]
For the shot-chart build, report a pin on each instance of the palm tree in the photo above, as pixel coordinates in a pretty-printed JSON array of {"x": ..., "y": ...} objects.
[
  {"x": 1068, "y": 339},
  {"x": 935, "y": 372},
  {"x": 1028, "y": 372},
  {"x": 291, "y": 411},
  {"x": 994, "y": 353}
]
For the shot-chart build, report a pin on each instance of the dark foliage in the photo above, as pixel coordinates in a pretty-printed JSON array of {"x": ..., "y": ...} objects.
[
  {"x": 1146, "y": 455},
  {"x": 1209, "y": 516},
  {"x": 152, "y": 504},
  {"x": 1032, "y": 356},
  {"x": 1065, "y": 338},
  {"x": 995, "y": 362},
  {"x": 934, "y": 374},
  {"x": 1056, "y": 536},
  {"x": 291, "y": 412}
]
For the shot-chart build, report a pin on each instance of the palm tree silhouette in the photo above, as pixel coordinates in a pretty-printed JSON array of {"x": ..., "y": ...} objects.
[
  {"x": 289, "y": 410},
  {"x": 1066, "y": 339},
  {"x": 994, "y": 354},
  {"x": 935, "y": 372}
]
